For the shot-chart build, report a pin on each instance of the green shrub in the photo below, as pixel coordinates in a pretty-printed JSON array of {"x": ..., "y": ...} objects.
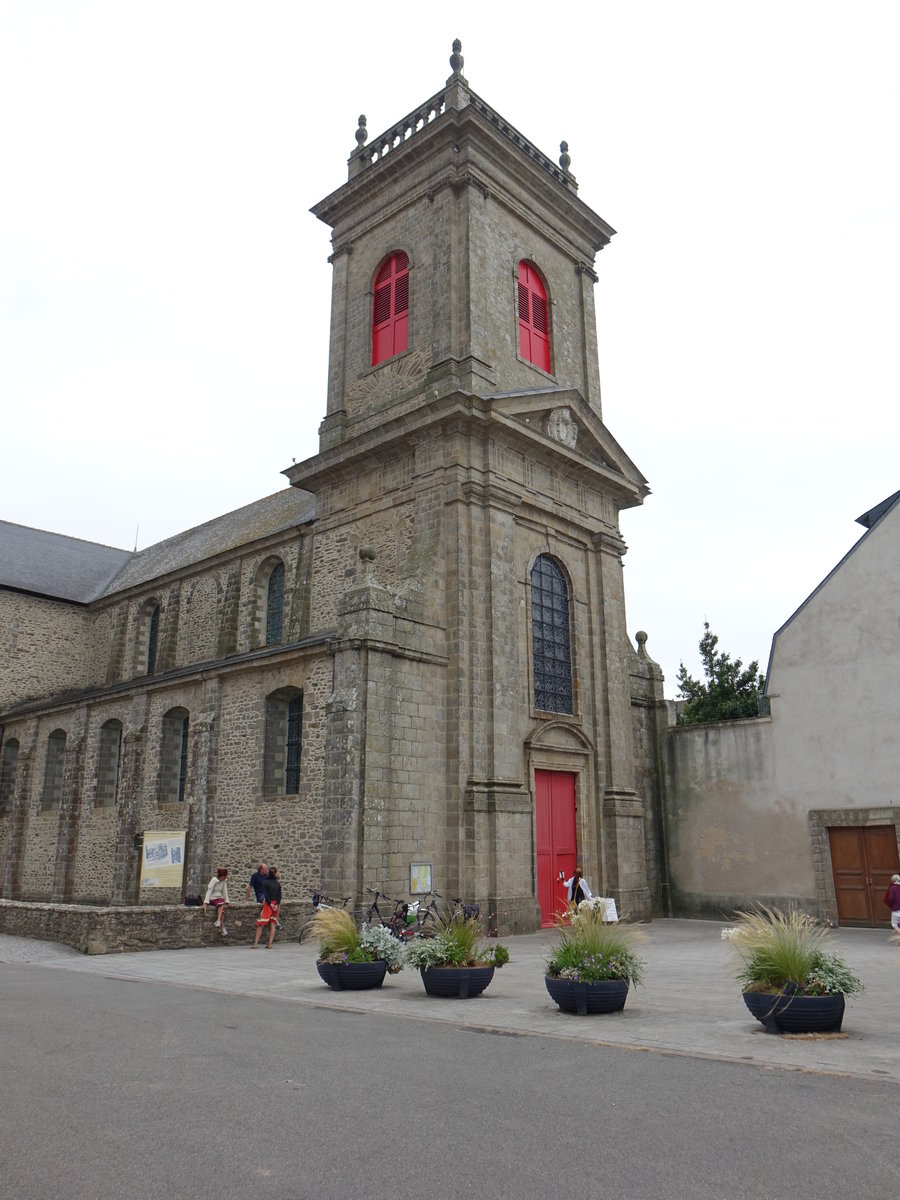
[
  {"x": 780, "y": 951},
  {"x": 457, "y": 943},
  {"x": 591, "y": 951}
]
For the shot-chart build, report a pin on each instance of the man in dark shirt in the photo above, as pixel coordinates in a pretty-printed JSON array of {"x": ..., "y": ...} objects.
[{"x": 257, "y": 884}]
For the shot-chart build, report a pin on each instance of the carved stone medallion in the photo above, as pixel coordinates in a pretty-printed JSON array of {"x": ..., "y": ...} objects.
[{"x": 561, "y": 426}]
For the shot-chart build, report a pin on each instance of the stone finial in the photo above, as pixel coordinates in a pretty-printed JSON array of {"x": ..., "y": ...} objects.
[
  {"x": 362, "y": 133},
  {"x": 564, "y": 161},
  {"x": 367, "y": 559},
  {"x": 641, "y": 638},
  {"x": 456, "y": 59}
]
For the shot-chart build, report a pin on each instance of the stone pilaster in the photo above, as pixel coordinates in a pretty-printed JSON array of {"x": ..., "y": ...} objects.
[
  {"x": 626, "y": 875},
  {"x": 15, "y": 851},
  {"x": 126, "y": 863},
  {"x": 201, "y": 795},
  {"x": 69, "y": 815}
]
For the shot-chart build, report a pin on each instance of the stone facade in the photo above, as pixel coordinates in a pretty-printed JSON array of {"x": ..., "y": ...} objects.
[{"x": 407, "y": 546}]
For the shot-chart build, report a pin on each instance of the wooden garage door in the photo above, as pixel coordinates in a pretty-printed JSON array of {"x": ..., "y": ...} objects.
[{"x": 863, "y": 861}]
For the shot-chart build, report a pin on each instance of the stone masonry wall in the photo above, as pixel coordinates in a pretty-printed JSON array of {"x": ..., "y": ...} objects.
[
  {"x": 43, "y": 647},
  {"x": 143, "y": 927}
]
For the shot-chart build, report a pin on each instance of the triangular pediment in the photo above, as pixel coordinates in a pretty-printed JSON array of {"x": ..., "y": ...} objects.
[{"x": 566, "y": 424}]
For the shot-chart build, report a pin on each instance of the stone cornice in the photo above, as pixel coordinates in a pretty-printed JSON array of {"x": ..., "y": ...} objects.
[{"x": 195, "y": 673}]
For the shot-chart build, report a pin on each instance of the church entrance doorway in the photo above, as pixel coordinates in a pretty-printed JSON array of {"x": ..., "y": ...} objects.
[
  {"x": 863, "y": 859},
  {"x": 554, "y": 793}
]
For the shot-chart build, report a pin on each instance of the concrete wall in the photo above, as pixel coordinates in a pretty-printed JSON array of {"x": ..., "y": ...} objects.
[{"x": 748, "y": 803}]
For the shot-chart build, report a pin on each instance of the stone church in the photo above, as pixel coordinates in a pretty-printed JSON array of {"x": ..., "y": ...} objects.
[{"x": 413, "y": 657}]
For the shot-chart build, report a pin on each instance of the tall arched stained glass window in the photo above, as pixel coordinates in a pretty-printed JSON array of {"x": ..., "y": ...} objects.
[
  {"x": 275, "y": 606},
  {"x": 550, "y": 637}
]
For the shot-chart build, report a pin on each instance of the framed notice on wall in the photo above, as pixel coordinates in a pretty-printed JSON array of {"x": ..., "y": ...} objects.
[
  {"x": 420, "y": 878},
  {"x": 162, "y": 858}
]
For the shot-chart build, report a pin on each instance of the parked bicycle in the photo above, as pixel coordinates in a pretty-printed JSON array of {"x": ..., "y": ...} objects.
[
  {"x": 320, "y": 900},
  {"x": 397, "y": 919}
]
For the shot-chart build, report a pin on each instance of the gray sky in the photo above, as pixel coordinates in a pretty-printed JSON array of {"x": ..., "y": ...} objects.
[{"x": 164, "y": 291}]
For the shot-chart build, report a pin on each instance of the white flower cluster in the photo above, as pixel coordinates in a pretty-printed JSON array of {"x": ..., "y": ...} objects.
[
  {"x": 381, "y": 942},
  {"x": 728, "y": 935}
]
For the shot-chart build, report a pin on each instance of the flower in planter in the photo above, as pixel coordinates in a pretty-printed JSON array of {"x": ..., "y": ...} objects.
[
  {"x": 785, "y": 953},
  {"x": 340, "y": 941},
  {"x": 591, "y": 951},
  {"x": 457, "y": 943}
]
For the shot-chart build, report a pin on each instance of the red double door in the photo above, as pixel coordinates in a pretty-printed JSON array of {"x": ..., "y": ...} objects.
[{"x": 554, "y": 793}]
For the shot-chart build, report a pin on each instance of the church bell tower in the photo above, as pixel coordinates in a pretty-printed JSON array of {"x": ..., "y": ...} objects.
[{"x": 468, "y": 495}]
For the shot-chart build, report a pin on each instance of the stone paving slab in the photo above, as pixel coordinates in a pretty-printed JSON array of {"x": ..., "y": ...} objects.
[{"x": 689, "y": 1003}]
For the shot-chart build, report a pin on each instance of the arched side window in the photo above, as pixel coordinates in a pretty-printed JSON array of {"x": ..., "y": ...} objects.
[
  {"x": 390, "y": 308},
  {"x": 173, "y": 756},
  {"x": 51, "y": 797},
  {"x": 275, "y": 606},
  {"x": 551, "y": 646},
  {"x": 284, "y": 742},
  {"x": 534, "y": 317},
  {"x": 153, "y": 640},
  {"x": 8, "y": 774},
  {"x": 108, "y": 763}
]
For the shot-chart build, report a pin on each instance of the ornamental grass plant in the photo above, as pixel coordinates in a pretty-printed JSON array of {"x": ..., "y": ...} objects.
[
  {"x": 786, "y": 952},
  {"x": 457, "y": 943},
  {"x": 590, "y": 950},
  {"x": 341, "y": 941}
]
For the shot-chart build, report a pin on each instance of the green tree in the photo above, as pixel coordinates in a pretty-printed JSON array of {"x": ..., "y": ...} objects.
[{"x": 729, "y": 692}]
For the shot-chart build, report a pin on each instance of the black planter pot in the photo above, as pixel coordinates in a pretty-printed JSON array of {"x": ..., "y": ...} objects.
[
  {"x": 352, "y": 976},
  {"x": 584, "y": 998},
  {"x": 783, "y": 1013},
  {"x": 456, "y": 983}
]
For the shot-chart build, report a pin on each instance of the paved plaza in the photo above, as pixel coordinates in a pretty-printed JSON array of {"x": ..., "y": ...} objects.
[{"x": 688, "y": 1005}]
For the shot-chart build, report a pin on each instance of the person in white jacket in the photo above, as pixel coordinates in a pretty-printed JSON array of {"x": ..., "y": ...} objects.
[
  {"x": 217, "y": 896},
  {"x": 578, "y": 887}
]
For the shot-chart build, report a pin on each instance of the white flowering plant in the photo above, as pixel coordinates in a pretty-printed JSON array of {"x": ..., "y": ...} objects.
[
  {"x": 785, "y": 952},
  {"x": 457, "y": 943},
  {"x": 340, "y": 941}
]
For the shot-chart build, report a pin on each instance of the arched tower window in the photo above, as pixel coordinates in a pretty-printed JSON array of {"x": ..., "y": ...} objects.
[
  {"x": 173, "y": 757},
  {"x": 275, "y": 606},
  {"x": 51, "y": 797},
  {"x": 284, "y": 741},
  {"x": 8, "y": 774},
  {"x": 108, "y": 764},
  {"x": 534, "y": 318},
  {"x": 390, "y": 311},
  {"x": 551, "y": 645},
  {"x": 152, "y": 639}
]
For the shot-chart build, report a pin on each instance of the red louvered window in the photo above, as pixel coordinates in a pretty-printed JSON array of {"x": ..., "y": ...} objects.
[
  {"x": 534, "y": 321},
  {"x": 390, "y": 312}
]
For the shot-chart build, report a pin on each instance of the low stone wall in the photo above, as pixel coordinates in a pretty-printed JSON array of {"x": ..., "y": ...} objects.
[{"x": 105, "y": 930}]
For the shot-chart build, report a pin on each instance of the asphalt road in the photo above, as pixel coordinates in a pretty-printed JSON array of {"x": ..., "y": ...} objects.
[{"x": 117, "y": 1089}]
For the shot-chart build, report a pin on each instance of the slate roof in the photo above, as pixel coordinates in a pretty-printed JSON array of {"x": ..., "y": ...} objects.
[
  {"x": 51, "y": 564},
  {"x": 291, "y": 506},
  {"x": 67, "y": 568}
]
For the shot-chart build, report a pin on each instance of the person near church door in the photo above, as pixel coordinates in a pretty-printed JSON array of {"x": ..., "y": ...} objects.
[
  {"x": 892, "y": 900},
  {"x": 271, "y": 904},
  {"x": 577, "y": 887}
]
